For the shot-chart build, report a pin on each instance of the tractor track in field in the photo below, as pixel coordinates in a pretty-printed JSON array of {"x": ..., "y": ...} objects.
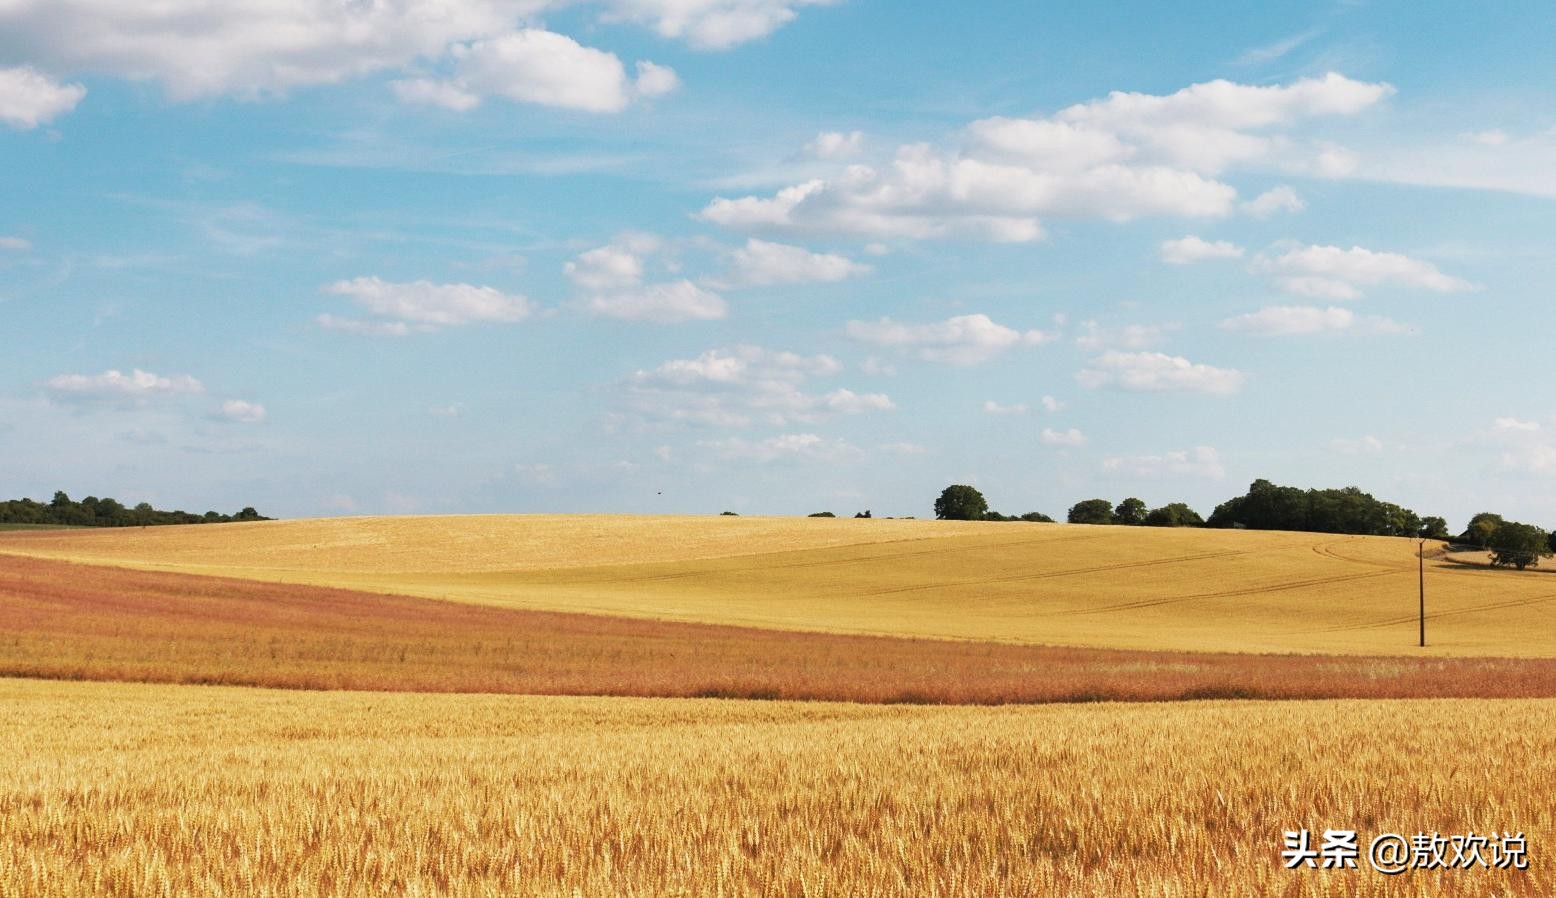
[
  {"x": 1534, "y": 602},
  {"x": 1228, "y": 593}
]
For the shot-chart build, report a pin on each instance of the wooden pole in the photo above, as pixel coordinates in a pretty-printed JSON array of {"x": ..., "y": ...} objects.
[{"x": 1421, "y": 559}]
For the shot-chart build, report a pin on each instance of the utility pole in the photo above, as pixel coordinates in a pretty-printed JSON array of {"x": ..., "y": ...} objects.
[{"x": 1421, "y": 560}]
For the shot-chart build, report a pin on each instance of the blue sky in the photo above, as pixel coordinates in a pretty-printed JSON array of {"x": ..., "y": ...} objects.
[{"x": 774, "y": 256}]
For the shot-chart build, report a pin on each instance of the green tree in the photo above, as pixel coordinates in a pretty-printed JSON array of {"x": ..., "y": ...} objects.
[
  {"x": 1037, "y": 517},
  {"x": 960, "y": 502},
  {"x": 1131, "y": 512},
  {"x": 1481, "y": 528},
  {"x": 1175, "y": 514},
  {"x": 823, "y": 514},
  {"x": 1091, "y": 511},
  {"x": 1433, "y": 527},
  {"x": 1518, "y": 545}
]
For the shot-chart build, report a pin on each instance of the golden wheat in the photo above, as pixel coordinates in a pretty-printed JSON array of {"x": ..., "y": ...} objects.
[
  {"x": 113, "y": 789},
  {"x": 1106, "y": 587}
]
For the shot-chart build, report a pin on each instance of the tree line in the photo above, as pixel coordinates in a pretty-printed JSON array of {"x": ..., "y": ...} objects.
[
  {"x": 1268, "y": 506},
  {"x": 95, "y": 512}
]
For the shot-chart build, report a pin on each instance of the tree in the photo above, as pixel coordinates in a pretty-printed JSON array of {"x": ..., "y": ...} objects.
[
  {"x": 1037, "y": 517},
  {"x": 823, "y": 514},
  {"x": 1518, "y": 545},
  {"x": 1091, "y": 511},
  {"x": 1481, "y": 529},
  {"x": 959, "y": 502},
  {"x": 1130, "y": 512},
  {"x": 1433, "y": 527},
  {"x": 1175, "y": 514}
]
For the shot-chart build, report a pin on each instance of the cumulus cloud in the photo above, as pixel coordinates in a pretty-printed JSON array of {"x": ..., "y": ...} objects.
[
  {"x": 711, "y": 24},
  {"x": 1298, "y": 321},
  {"x": 402, "y": 308},
  {"x": 960, "y": 340},
  {"x": 990, "y": 407},
  {"x": 1276, "y": 199},
  {"x": 1156, "y": 372},
  {"x": 198, "y": 48},
  {"x": 28, "y": 98},
  {"x": 1200, "y": 462},
  {"x": 761, "y": 263},
  {"x": 1514, "y": 425},
  {"x": 605, "y": 268},
  {"x": 1189, "y": 249},
  {"x": 14, "y": 244},
  {"x": 835, "y": 145},
  {"x": 243, "y": 412},
  {"x": 1050, "y": 404},
  {"x": 742, "y": 386},
  {"x": 1070, "y": 439},
  {"x": 1329, "y": 272},
  {"x": 533, "y": 65},
  {"x": 113, "y": 386},
  {"x": 667, "y": 303},
  {"x": 1125, "y": 156}
]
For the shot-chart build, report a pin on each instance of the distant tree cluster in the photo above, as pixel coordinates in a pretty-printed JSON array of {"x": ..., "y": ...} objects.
[
  {"x": 1133, "y": 512},
  {"x": 1267, "y": 506},
  {"x": 960, "y": 502},
  {"x": 1511, "y": 543},
  {"x": 95, "y": 512}
]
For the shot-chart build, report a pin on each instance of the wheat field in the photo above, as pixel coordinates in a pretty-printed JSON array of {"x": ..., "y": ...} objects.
[
  {"x": 1102, "y": 587},
  {"x": 114, "y": 789}
]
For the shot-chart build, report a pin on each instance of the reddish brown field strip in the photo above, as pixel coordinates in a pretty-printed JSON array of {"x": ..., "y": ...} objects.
[{"x": 67, "y": 621}]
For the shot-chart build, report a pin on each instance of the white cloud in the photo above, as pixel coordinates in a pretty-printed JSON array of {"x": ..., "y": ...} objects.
[
  {"x": 422, "y": 305},
  {"x": 367, "y": 328},
  {"x": 605, "y": 268},
  {"x": 994, "y": 408},
  {"x": 201, "y": 48},
  {"x": 114, "y": 386},
  {"x": 1330, "y": 272},
  {"x": 15, "y": 244},
  {"x": 1189, "y": 249},
  {"x": 742, "y": 386},
  {"x": 428, "y": 92},
  {"x": 1122, "y": 157},
  {"x": 711, "y": 24},
  {"x": 542, "y": 67},
  {"x": 243, "y": 412},
  {"x": 1514, "y": 425},
  {"x": 454, "y": 410},
  {"x": 1071, "y": 438},
  {"x": 1495, "y": 137},
  {"x": 654, "y": 80},
  {"x": 1094, "y": 336},
  {"x": 760, "y": 263},
  {"x": 1296, "y": 321},
  {"x": 960, "y": 340},
  {"x": 28, "y": 98},
  {"x": 1156, "y": 372},
  {"x": 835, "y": 145},
  {"x": 1367, "y": 445},
  {"x": 1276, "y": 199},
  {"x": 786, "y": 447},
  {"x": 667, "y": 303},
  {"x": 1051, "y": 404},
  {"x": 1201, "y": 462}
]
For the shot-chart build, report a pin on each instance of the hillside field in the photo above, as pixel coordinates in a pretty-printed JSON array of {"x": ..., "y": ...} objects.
[{"x": 1100, "y": 587}]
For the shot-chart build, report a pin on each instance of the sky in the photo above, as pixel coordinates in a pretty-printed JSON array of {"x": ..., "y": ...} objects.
[{"x": 339, "y": 257}]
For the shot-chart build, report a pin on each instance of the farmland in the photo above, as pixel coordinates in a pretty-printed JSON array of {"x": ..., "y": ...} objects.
[
  {"x": 163, "y": 790},
  {"x": 1096, "y": 587},
  {"x": 67, "y": 621}
]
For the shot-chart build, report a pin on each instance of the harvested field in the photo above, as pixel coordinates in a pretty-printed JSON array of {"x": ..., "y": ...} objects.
[
  {"x": 1099, "y": 587},
  {"x": 67, "y": 621},
  {"x": 115, "y": 789}
]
